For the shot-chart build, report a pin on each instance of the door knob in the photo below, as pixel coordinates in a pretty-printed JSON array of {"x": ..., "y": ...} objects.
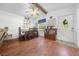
[{"x": 72, "y": 28}]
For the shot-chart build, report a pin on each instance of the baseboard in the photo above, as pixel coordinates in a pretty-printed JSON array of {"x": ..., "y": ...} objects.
[
  {"x": 67, "y": 43},
  {"x": 11, "y": 39}
]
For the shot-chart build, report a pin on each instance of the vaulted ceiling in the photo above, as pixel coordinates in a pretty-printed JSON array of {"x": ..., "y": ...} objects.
[
  {"x": 20, "y": 8},
  {"x": 56, "y": 6},
  {"x": 17, "y": 8}
]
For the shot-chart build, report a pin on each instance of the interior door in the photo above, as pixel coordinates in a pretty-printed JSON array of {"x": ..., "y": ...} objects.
[{"x": 65, "y": 33}]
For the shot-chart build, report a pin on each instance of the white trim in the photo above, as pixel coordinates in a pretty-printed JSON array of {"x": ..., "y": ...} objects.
[{"x": 67, "y": 43}]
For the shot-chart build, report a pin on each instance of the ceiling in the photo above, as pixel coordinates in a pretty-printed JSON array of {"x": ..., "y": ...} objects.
[
  {"x": 56, "y": 6},
  {"x": 20, "y": 8},
  {"x": 17, "y": 8}
]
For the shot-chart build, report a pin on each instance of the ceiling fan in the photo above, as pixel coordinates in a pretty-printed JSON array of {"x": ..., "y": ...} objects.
[{"x": 32, "y": 10}]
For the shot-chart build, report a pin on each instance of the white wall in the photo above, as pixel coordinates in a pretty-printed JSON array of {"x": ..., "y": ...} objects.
[
  {"x": 12, "y": 21},
  {"x": 56, "y": 15},
  {"x": 77, "y": 23}
]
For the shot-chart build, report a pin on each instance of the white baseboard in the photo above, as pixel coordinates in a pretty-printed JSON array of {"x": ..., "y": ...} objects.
[{"x": 67, "y": 43}]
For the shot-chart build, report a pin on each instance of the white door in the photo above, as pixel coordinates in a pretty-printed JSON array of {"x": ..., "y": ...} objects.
[{"x": 65, "y": 33}]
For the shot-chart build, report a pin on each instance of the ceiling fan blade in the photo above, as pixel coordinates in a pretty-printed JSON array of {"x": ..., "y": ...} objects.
[{"x": 26, "y": 11}]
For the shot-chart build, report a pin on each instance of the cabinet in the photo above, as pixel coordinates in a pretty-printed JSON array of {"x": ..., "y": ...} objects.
[{"x": 50, "y": 33}]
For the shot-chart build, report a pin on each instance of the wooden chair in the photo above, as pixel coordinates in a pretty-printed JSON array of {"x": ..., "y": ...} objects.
[
  {"x": 26, "y": 35},
  {"x": 31, "y": 33},
  {"x": 35, "y": 32},
  {"x": 21, "y": 35}
]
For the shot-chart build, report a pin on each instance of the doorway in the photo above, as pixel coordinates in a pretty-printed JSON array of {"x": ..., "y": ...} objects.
[{"x": 66, "y": 28}]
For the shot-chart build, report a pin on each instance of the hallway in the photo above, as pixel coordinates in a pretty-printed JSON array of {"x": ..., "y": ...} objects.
[{"x": 37, "y": 47}]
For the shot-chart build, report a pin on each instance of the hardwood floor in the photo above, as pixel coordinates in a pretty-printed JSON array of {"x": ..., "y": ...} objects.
[{"x": 37, "y": 47}]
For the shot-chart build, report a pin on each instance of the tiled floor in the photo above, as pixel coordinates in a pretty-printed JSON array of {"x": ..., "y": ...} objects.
[{"x": 37, "y": 47}]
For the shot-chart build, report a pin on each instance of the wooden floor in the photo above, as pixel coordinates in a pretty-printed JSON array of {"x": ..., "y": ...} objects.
[{"x": 36, "y": 47}]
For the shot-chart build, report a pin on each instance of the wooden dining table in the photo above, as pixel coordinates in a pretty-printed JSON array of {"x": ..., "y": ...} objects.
[
  {"x": 27, "y": 34},
  {"x": 31, "y": 34}
]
